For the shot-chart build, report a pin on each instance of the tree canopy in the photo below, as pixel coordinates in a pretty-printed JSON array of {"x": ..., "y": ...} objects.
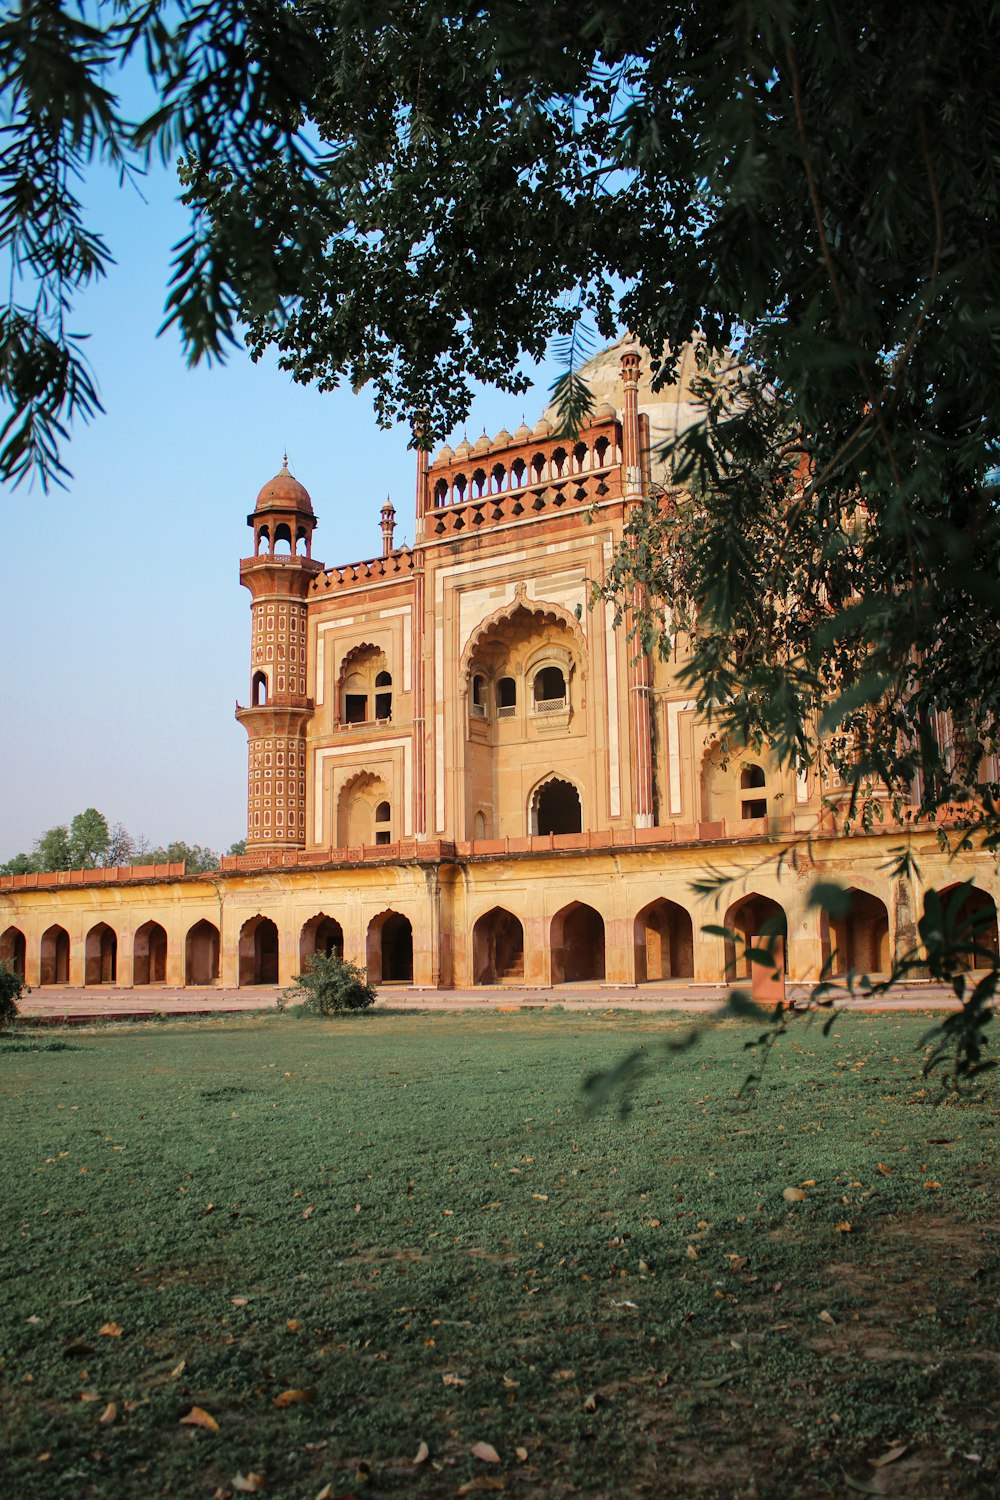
[{"x": 89, "y": 842}]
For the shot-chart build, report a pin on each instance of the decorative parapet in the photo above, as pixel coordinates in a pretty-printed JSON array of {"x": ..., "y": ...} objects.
[
  {"x": 115, "y": 875},
  {"x": 399, "y": 564}
]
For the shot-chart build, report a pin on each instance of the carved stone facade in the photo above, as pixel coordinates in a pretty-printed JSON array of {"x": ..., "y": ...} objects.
[{"x": 460, "y": 772}]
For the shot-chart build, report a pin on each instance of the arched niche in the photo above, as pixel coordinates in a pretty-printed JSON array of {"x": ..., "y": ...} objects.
[
  {"x": 497, "y": 947},
  {"x": 149, "y": 954},
  {"x": 555, "y": 807},
  {"x": 576, "y": 940},
  {"x": 201, "y": 953},
  {"x": 758, "y": 922},
  {"x": 101, "y": 955},
  {"x": 858, "y": 941},
  {"x": 13, "y": 951},
  {"x": 389, "y": 949},
  {"x": 664, "y": 942},
  {"x": 321, "y": 934},
  {"x": 54, "y": 955},
  {"x": 258, "y": 951}
]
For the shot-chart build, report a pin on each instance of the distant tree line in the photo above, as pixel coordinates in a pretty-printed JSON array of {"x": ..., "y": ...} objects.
[{"x": 89, "y": 842}]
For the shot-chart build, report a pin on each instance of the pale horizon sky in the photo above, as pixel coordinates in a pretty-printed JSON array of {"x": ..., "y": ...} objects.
[{"x": 125, "y": 629}]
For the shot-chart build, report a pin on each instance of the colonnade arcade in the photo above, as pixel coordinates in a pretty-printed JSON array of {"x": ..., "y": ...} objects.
[{"x": 504, "y": 944}]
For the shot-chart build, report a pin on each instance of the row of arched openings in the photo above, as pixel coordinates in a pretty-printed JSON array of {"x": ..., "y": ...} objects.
[
  {"x": 563, "y": 463},
  {"x": 663, "y": 938}
]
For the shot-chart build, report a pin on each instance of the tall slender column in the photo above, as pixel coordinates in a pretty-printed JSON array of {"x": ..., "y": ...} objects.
[
  {"x": 639, "y": 715},
  {"x": 419, "y": 697}
]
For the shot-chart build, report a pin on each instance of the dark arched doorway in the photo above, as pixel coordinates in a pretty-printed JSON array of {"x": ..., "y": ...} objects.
[
  {"x": 149, "y": 954},
  {"x": 13, "y": 951},
  {"x": 390, "y": 949},
  {"x": 321, "y": 934},
  {"x": 556, "y": 808},
  {"x": 258, "y": 952},
  {"x": 758, "y": 922},
  {"x": 577, "y": 940},
  {"x": 101, "y": 955},
  {"x": 497, "y": 948},
  {"x": 664, "y": 942},
  {"x": 858, "y": 941},
  {"x": 972, "y": 918},
  {"x": 201, "y": 954},
  {"x": 54, "y": 956}
]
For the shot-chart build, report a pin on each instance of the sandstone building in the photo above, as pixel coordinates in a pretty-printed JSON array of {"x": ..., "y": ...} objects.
[{"x": 460, "y": 773}]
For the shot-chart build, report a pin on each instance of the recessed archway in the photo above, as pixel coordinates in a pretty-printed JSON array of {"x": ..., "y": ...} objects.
[
  {"x": 497, "y": 947},
  {"x": 258, "y": 951},
  {"x": 321, "y": 934},
  {"x": 556, "y": 808},
  {"x": 859, "y": 941},
  {"x": 389, "y": 949},
  {"x": 664, "y": 942},
  {"x": 149, "y": 954},
  {"x": 13, "y": 951},
  {"x": 201, "y": 953},
  {"x": 577, "y": 944},
  {"x": 101, "y": 955},
  {"x": 758, "y": 922},
  {"x": 976, "y": 919},
  {"x": 54, "y": 956}
]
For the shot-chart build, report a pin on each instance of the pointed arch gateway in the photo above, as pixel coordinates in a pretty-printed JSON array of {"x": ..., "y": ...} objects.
[
  {"x": 258, "y": 951},
  {"x": 526, "y": 611},
  {"x": 664, "y": 942},
  {"x": 577, "y": 944},
  {"x": 54, "y": 955},
  {"x": 201, "y": 953},
  {"x": 389, "y": 949},
  {"x": 101, "y": 955},
  {"x": 321, "y": 934},
  {"x": 497, "y": 948},
  {"x": 13, "y": 951},
  {"x": 758, "y": 922},
  {"x": 149, "y": 954},
  {"x": 555, "y": 807}
]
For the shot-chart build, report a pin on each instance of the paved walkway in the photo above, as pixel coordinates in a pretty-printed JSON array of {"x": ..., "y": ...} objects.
[{"x": 58, "y": 1004}]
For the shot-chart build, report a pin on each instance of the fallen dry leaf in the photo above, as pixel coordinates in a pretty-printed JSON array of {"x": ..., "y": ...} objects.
[
  {"x": 930, "y": 1183},
  {"x": 890, "y": 1457},
  {"x": 326, "y": 1493},
  {"x": 33, "y": 1319},
  {"x": 293, "y": 1325},
  {"x": 451, "y": 1379},
  {"x": 794, "y": 1195},
  {"x": 844, "y": 1227},
  {"x": 423, "y": 1453},
  {"x": 880, "y": 1166},
  {"x": 90, "y": 1394},
  {"x": 111, "y": 1330},
  {"x": 510, "y": 1385},
  {"x": 590, "y": 1403},
  {"x": 239, "y": 1301},
  {"x": 692, "y": 1253},
  {"x": 826, "y": 1317},
  {"x": 178, "y": 1369},
  {"x": 108, "y": 1415},
  {"x": 485, "y": 1452},
  {"x": 522, "y": 1455},
  {"x": 307, "y": 1213},
  {"x": 248, "y": 1484},
  {"x": 289, "y": 1398},
  {"x": 197, "y": 1417}
]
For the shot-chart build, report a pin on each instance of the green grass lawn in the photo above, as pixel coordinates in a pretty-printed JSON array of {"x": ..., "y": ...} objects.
[{"x": 345, "y": 1239}]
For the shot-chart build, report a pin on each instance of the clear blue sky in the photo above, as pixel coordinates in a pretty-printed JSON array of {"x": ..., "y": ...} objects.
[{"x": 124, "y": 627}]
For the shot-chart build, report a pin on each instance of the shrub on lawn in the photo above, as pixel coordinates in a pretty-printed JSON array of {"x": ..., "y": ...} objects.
[
  {"x": 329, "y": 985},
  {"x": 10, "y": 994}
]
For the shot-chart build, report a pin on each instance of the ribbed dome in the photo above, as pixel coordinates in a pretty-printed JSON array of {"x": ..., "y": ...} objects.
[
  {"x": 284, "y": 492},
  {"x": 464, "y": 448},
  {"x": 502, "y": 438},
  {"x": 483, "y": 445},
  {"x": 543, "y": 428},
  {"x": 523, "y": 433},
  {"x": 601, "y": 410},
  {"x": 445, "y": 455}
]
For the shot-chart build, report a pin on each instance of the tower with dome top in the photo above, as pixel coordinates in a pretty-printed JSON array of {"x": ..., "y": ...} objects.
[{"x": 278, "y": 576}]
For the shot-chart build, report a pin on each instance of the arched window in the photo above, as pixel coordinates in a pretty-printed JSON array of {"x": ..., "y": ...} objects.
[
  {"x": 441, "y": 492},
  {"x": 383, "y": 823},
  {"x": 555, "y": 808},
  {"x": 263, "y": 540},
  {"x": 549, "y": 690},
  {"x": 283, "y": 538},
  {"x": 383, "y": 695},
  {"x": 559, "y": 462},
  {"x": 477, "y": 699},
  {"x": 258, "y": 690},
  {"x": 753, "y": 778},
  {"x": 506, "y": 698}
]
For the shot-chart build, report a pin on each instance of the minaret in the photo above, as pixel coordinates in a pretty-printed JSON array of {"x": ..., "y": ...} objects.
[
  {"x": 641, "y": 725},
  {"x": 278, "y": 577}
]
